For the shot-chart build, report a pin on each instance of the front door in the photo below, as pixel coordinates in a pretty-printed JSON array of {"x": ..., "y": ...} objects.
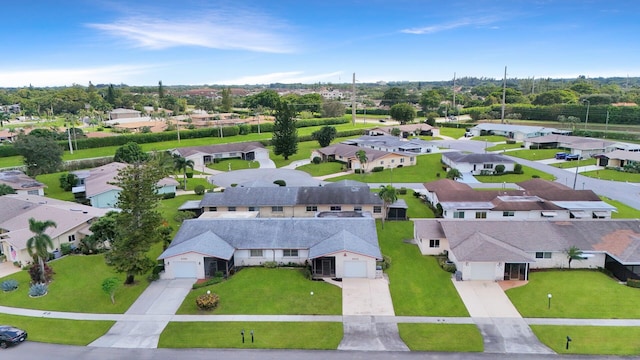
[{"x": 326, "y": 267}]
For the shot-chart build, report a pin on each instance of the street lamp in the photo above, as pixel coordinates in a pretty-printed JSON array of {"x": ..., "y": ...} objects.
[
  {"x": 549, "y": 297},
  {"x": 586, "y": 118}
]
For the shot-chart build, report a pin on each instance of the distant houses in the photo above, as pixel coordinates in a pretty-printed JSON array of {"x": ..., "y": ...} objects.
[
  {"x": 21, "y": 183},
  {"x": 202, "y": 155}
]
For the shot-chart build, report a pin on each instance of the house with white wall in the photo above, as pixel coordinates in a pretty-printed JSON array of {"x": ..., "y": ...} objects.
[
  {"x": 202, "y": 155},
  {"x": 21, "y": 183},
  {"x": 476, "y": 164}
]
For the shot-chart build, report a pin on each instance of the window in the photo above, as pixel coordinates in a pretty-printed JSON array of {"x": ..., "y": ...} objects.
[
  {"x": 488, "y": 166},
  {"x": 213, "y": 208},
  {"x": 256, "y": 252},
  {"x": 232, "y": 208},
  {"x": 32, "y": 192},
  {"x": 312, "y": 208},
  {"x": 357, "y": 208},
  {"x": 72, "y": 238},
  {"x": 336, "y": 208},
  {"x": 290, "y": 252},
  {"x": 434, "y": 243},
  {"x": 508, "y": 214},
  {"x": 401, "y": 160},
  {"x": 481, "y": 214},
  {"x": 458, "y": 214},
  {"x": 377, "y": 209},
  {"x": 252, "y": 208},
  {"x": 411, "y": 159},
  {"x": 276, "y": 209},
  {"x": 543, "y": 255}
]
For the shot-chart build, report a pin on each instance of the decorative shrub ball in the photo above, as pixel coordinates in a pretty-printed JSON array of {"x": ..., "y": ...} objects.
[{"x": 207, "y": 301}]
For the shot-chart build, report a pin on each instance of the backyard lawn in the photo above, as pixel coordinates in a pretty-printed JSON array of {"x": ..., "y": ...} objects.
[
  {"x": 441, "y": 337},
  {"x": 501, "y": 147},
  {"x": 592, "y": 340},
  {"x": 581, "y": 294},
  {"x": 267, "y": 335},
  {"x": 624, "y": 211},
  {"x": 262, "y": 291},
  {"x": 53, "y": 189},
  {"x": 535, "y": 154},
  {"x": 68, "y": 332}
]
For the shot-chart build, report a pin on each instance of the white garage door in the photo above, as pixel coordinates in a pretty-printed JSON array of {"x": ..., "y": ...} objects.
[
  {"x": 185, "y": 269},
  {"x": 482, "y": 271},
  {"x": 355, "y": 269}
]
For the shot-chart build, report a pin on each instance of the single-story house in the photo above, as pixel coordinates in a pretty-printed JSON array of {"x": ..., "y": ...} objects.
[
  {"x": 535, "y": 199},
  {"x": 335, "y": 247},
  {"x": 285, "y": 201},
  {"x": 508, "y": 250},
  {"x": 375, "y": 158},
  {"x": 393, "y": 144},
  {"x": 406, "y": 130},
  {"x": 476, "y": 164},
  {"x": 202, "y": 155},
  {"x": 582, "y": 146},
  {"x": 72, "y": 223},
  {"x": 121, "y": 113},
  {"x": 515, "y": 132},
  {"x": 618, "y": 158},
  {"x": 96, "y": 185},
  {"x": 21, "y": 183}
]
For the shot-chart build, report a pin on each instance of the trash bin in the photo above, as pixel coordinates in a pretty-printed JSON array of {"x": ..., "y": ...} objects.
[{"x": 458, "y": 275}]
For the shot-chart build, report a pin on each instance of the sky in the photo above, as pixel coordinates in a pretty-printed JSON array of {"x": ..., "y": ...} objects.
[{"x": 238, "y": 42}]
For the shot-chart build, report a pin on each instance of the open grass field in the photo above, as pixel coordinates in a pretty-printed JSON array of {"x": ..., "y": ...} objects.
[
  {"x": 58, "y": 331},
  {"x": 441, "y": 337},
  {"x": 419, "y": 287},
  {"x": 592, "y": 340},
  {"x": 580, "y": 294},
  {"x": 267, "y": 335},
  {"x": 262, "y": 291},
  {"x": 613, "y": 175}
]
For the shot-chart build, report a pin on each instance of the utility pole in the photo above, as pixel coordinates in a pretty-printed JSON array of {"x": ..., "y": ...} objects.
[
  {"x": 353, "y": 100},
  {"x": 454, "y": 93},
  {"x": 504, "y": 95},
  {"x": 70, "y": 144},
  {"x": 606, "y": 126},
  {"x": 533, "y": 85}
]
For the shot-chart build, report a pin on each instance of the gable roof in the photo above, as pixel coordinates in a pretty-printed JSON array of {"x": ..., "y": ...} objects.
[
  {"x": 349, "y": 152},
  {"x": 461, "y": 157},
  {"x": 220, "y": 148},
  {"x": 622, "y": 155},
  {"x": 18, "y": 180},
  {"x": 324, "y": 235},
  {"x": 100, "y": 180},
  {"x": 575, "y": 142}
]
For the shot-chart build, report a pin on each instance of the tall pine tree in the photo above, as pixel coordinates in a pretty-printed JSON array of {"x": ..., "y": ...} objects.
[{"x": 285, "y": 133}]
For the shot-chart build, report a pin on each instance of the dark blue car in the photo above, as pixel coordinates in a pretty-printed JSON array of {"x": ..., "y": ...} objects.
[
  {"x": 561, "y": 155},
  {"x": 10, "y": 335},
  {"x": 571, "y": 157}
]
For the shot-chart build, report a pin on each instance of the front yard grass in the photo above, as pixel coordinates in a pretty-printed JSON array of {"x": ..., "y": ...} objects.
[
  {"x": 613, "y": 175},
  {"x": 419, "y": 287},
  {"x": 489, "y": 138},
  {"x": 442, "y": 337},
  {"x": 321, "y": 169},
  {"x": 236, "y": 164},
  {"x": 262, "y": 291},
  {"x": 76, "y": 287},
  {"x": 453, "y": 132},
  {"x": 574, "y": 164},
  {"x": 53, "y": 189},
  {"x": 59, "y": 331},
  {"x": 580, "y": 294},
  {"x": 535, "y": 154},
  {"x": 267, "y": 335},
  {"x": 426, "y": 169},
  {"x": 528, "y": 174},
  {"x": 501, "y": 147},
  {"x": 624, "y": 211},
  {"x": 591, "y": 340}
]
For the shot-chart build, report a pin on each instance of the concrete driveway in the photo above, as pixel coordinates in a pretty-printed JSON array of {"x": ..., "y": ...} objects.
[
  {"x": 366, "y": 297},
  {"x": 160, "y": 300},
  {"x": 7, "y": 268}
]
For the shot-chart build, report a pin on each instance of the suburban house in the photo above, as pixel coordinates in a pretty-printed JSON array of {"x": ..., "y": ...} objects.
[
  {"x": 121, "y": 113},
  {"x": 334, "y": 247},
  {"x": 582, "y": 146},
  {"x": 96, "y": 185},
  {"x": 618, "y": 158},
  {"x": 476, "y": 164},
  {"x": 406, "y": 131},
  {"x": 202, "y": 155},
  {"x": 514, "y": 132},
  {"x": 508, "y": 250},
  {"x": 393, "y": 144},
  {"x": 72, "y": 223},
  {"x": 21, "y": 183},
  {"x": 535, "y": 199},
  {"x": 285, "y": 201},
  {"x": 375, "y": 158}
]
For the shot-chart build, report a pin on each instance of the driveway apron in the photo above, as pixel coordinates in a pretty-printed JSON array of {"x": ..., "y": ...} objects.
[
  {"x": 159, "y": 302},
  {"x": 366, "y": 303},
  {"x": 503, "y": 328}
]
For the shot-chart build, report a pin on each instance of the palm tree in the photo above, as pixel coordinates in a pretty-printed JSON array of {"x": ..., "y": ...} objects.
[
  {"x": 389, "y": 195},
  {"x": 181, "y": 164},
  {"x": 573, "y": 253},
  {"x": 454, "y": 174},
  {"x": 38, "y": 245},
  {"x": 362, "y": 158}
]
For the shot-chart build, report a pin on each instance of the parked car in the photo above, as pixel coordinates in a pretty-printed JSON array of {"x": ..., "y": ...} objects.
[
  {"x": 561, "y": 155},
  {"x": 571, "y": 157},
  {"x": 10, "y": 335}
]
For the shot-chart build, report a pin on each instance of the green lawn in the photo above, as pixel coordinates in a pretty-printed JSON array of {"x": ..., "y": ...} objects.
[
  {"x": 262, "y": 291},
  {"x": 76, "y": 287},
  {"x": 325, "y": 168},
  {"x": 442, "y": 337},
  {"x": 426, "y": 169},
  {"x": 193, "y": 182},
  {"x": 419, "y": 287},
  {"x": 489, "y": 138},
  {"x": 304, "y": 152},
  {"x": 453, "y": 132},
  {"x": 581, "y": 294},
  {"x": 591, "y": 340},
  {"x": 613, "y": 175},
  {"x": 624, "y": 211},
  {"x": 527, "y": 174},
  {"x": 68, "y": 332},
  {"x": 236, "y": 164},
  {"x": 574, "y": 164},
  {"x": 267, "y": 335},
  {"x": 417, "y": 207},
  {"x": 501, "y": 147},
  {"x": 169, "y": 208},
  {"x": 53, "y": 189},
  {"x": 535, "y": 154}
]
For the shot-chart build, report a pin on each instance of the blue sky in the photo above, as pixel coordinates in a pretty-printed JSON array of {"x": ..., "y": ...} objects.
[{"x": 193, "y": 42}]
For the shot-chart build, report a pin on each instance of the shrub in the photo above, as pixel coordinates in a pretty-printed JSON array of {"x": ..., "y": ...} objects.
[
  {"x": 517, "y": 169},
  {"x": 270, "y": 264},
  {"x": 511, "y": 142},
  {"x": 377, "y": 169},
  {"x": 316, "y": 160},
  {"x": 499, "y": 169},
  {"x": 437, "y": 175},
  {"x": 449, "y": 267},
  {"x": 634, "y": 283},
  {"x": 34, "y": 273},
  {"x": 189, "y": 175},
  {"x": 38, "y": 289},
  {"x": 9, "y": 285},
  {"x": 199, "y": 189},
  {"x": 386, "y": 262},
  {"x": 306, "y": 272},
  {"x": 535, "y": 176},
  {"x": 402, "y": 191},
  {"x": 208, "y": 301},
  {"x": 212, "y": 281},
  {"x": 183, "y": 215},
  {"x": 170, "y": 195},
  {"x": 280, "y": 183},
  {"x": 65, "y": 248}
]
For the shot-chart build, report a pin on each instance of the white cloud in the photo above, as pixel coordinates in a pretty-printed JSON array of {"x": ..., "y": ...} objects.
[
  {"x": 210, "y": 29},
  {"x": 282, "y": 77},
  {"x": 464, "y": 22},
  {"x": 60, "y": 77}
]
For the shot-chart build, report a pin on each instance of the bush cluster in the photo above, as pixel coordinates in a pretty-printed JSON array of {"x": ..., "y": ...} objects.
[
  {"x": 377, "y": 169},
  {"x": 270, "y": 264},
  {"x": 38, "y": 289},
  {"x": 634, "y": 283},
  {"x": 208, "y": 301},
  {"x": 9, "y": 285}
]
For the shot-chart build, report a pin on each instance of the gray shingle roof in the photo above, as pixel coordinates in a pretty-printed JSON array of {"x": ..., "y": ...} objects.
[
  {"x": 209, "y": 236},
  {"x": 476, "y": 158},
  {"x": 221, "y": 148}
]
